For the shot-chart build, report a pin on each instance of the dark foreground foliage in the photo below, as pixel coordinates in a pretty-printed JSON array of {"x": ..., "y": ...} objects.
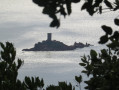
[
  {"x": 9, "y": 71},
  {"x": 9, "y": 67},
  {"x": 103, "y": 67},
  {"x": 57, "y": 8}
]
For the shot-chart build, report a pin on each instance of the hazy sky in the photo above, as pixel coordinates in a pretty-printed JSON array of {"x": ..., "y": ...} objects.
[{"x": 22, "y": 22}]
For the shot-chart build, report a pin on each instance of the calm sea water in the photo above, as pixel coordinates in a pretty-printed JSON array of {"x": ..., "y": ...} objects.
[
  {"x": 22, "y": 23},
  {"x": 54, "y": 66}
]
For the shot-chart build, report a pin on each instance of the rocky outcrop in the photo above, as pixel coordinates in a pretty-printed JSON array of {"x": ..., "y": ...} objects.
[{"x": 55, "y": 46}]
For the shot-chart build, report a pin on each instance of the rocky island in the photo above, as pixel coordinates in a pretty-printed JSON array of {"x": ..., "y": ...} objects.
[{"x": 53, "y": 45}]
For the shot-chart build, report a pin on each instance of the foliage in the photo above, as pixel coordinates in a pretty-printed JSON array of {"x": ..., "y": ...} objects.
[
  {"x": 53, "y": 8},
  {"x": 111, "y": 36},
  {"x": 61, "y": 86},
  {"x": 9, "y": 71},
  {"x": 103, "y": 67}
]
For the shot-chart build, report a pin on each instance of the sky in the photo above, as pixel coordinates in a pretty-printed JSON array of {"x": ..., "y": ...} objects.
[{"x": 22, "y": 22}]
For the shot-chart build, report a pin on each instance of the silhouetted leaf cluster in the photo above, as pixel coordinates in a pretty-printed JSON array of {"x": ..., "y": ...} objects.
[
  {"x": 93, "y": 6},
  {"x": 111, "y": 36},
  {"x": 64, "y": 7},
  {"x": 61, "y": 86},
  {"x": 33, "y": 83},
  {"x": 9, "y": 71},
  {"x": 53, "y": 7},
  {"x": 103, "y": 68}
]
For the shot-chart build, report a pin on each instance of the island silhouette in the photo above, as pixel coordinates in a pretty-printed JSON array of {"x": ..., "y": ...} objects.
[{"x": 53, "y": 45}]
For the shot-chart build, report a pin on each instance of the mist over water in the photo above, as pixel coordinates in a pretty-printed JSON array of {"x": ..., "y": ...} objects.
[{"x": 22, "y": 23}]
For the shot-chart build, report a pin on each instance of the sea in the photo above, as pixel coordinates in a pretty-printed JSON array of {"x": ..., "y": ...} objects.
[{"x": 23, "y": 24}]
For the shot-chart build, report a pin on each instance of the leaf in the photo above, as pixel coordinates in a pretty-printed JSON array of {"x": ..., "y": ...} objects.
[
  {"x": 104, "y": 53},
  {"x": 49, "y": 10},
  {"x": 45, "y": 10},
  {"x": 62, "y": 11},
  {"x": 117, "y": 2},
  {"x": 107, "y": 29},
  {"x": 84, "y": 60},
  {"x": 40, "y": 2},
  {"x": 100, "y": 9},
  {"x": 82, "y": 64},
  {"x": 42, "y": 83},
  {"x": 78, "y": 79},
  {"x": 90, "y": 2},
  {"x": 85, "y": 6},
  {"x": 27, "y": 82},
  {"x": 75, "y": 1},
  {"x": 116, "y": 35},
  {"x": 68, "y": 6},
  {"x": 19, "y": 63},
  {"x": 90, "y": 10},
  {"x": 108, "y": 4},
  {"x": 97, "y": 3},
  {"x": 116, "y": 21},
  {"x": 84, "y": 71},
  {"x": 55, "y": 23},
  {"x": 93, "y": 53},
  {"x": 89, "y": 7},
  {"x": 103, "y": 39},
  {"x": 113, "y": 45},
  {"x": 2, "y": 45}
]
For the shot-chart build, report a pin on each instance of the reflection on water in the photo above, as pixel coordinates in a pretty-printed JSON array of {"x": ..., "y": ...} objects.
[{"x": 48, "y": 55}]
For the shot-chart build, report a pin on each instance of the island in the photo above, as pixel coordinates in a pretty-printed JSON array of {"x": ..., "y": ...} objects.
[{"x": 53, "y": 45}]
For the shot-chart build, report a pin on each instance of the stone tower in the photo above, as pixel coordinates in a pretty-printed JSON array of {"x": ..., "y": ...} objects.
[{"x": 49, "y": 36}]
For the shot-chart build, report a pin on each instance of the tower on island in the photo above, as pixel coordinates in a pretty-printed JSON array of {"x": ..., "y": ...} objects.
[{"x": 49, "y": 36}]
